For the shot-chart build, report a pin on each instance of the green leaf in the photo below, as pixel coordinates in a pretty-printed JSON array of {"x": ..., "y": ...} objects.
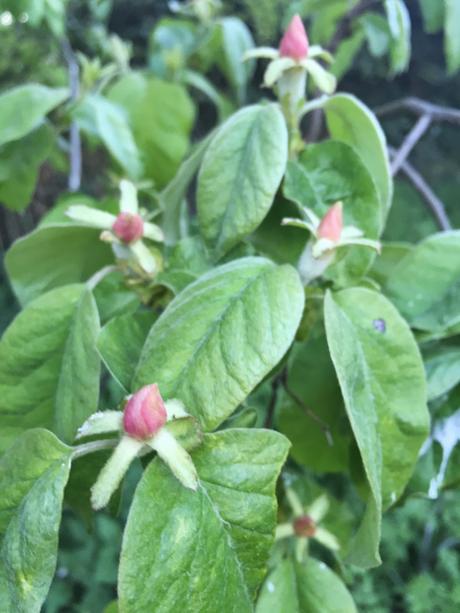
[
  {"x": 235, "y": 40},
  {"x": 310, "y": 587},
  {"x": 347, "y": 52},
  {"x": 425, "y": 284},
  {"x": 165, "y": 562},
  {"x": 19, "y": 165},
  {"x": 377, "y": 33},
  {"x": 104, "y": 119},
  {"x": 381, "y": 375},
  {"x": 350, "y": 121},
  {"x": 120, "y": 343},
  {"x": 161, "y": 115},
  {"x": 23, "y": 108},
  {"x": 54, "y": 255},
  {"x": 33, "y": 475},
  {"x": 400, "y": 29},
  {"x": 313, "y": 390},
  {"x": 49, "y": 368},
  {"x": 332, "y": 171},
  {"x": 442, "y": 364},
  {"x": 452, "y": 34},
  {"x": 241, "y": 172},
  {"x": 221, "y": 336},
  {"x": 433, "y": 15}
]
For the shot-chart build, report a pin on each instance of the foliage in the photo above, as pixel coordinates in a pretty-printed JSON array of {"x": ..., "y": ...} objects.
[{"x": 232, "y": 307}]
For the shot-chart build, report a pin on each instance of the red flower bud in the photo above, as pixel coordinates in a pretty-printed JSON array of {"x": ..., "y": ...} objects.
[
  {"x": 128, "y": 227},
  {"x": 331, "y": 225},
  {"x": 145, "y": 413},
  {"x": 294, "y": 43},
  {"x": 304, "y": 526}
]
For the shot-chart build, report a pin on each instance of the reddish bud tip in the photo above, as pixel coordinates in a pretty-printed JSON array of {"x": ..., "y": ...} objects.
[
  {"x": 304, "y": 526},
  {"x": 145, "y": 413},
  {"x": 331, "y": 225},
  {"x": 294, "y": 43},
  {"x": 128, "y": 227}
]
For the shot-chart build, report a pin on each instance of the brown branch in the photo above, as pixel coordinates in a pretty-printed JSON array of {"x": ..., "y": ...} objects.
[
  {"x": 421, "y": 107},
  {"x": 434, "y": 203},
  {"x": 409, "y": 143}
]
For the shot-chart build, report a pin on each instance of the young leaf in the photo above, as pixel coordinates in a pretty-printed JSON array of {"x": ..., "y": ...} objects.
[
  {"x": 350, "y": 121},
  {"x": 49, "y": 368},
  {"x": 166, "y": 563},
  {"x": 425, "y": 284},
  {"x": 332, "y": 171},
  {"x": 400, "y": 28},
  {"x": 236, "y": 39},
  {"x": 433, "y": 15},
  {"x": 100, "y": 117},
  {"x": 381, "y": 375},
  {"x": 240, "y": 174},
  {"x": 33, "y": 475},
  {"x": 310, "y": 587},
  {"x": 221, "y": 335},
  {"x": 442, "y": 364},
  {"x": 120, "y": 343},
  {"x": 54, "y": 255},
  {"x": 452, "y": 34},
  {"x": 23, "y": 108}
]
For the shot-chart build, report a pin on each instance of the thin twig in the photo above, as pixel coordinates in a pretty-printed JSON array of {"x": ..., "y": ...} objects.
[
  {"x": 273, "y": 399},
  {"x": 434, "y": 203},
  {"x": 409, "y": 143},
  {"x": 322, "y": 424},
  {"x": 74, "y": 180},
  {"x": 420, "y": 107}
]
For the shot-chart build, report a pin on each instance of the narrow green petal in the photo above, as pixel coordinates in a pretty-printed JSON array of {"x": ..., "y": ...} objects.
[
  {"x": 100, "y": 423},
  {"x": 128, "y": 200},
  {"x": 276, "y": 68},
  {"x": 175, "y": 456},
  {"x": 93, "y": 218}
]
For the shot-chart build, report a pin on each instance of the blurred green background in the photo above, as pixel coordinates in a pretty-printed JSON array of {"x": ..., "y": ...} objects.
[{"x": 421, "y": 539}]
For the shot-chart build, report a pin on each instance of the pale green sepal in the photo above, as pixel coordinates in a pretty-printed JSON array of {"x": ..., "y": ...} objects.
[
  {"x": 260, "y": 52},
  {"x": 175, "y": 456},
  {"x": 100, "y": 423},
  {"x": 294, "y": 502},
  {"x": 319, "y": 508},
  {"x": 322, "y": 246},
  {"x": 325, "y": 81},
  {"x": 283, "y": 531},
  {"x": 114, "y": 470},
  {"x": 364, "y": 242},
  {"x": 276, "y": 68},
  {"x": 298, "y": 223},
  {"x": 175, "y": 409},
  {"x": 318, "y": 51},
  {"x": 144, "y": 257},
  {"x": 154, "y": 232},
  {"x": 128, "y": 200},
  {"x": 327, "y": 539},
  {"x": 93, "y": 218}
]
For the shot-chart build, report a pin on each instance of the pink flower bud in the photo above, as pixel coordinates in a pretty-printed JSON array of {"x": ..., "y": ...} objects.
[
  {"x": 145, "y": 413},
  {"x": 128, "y": 227},
  {"x": 304, "y": 526},
  {"x": 331, "y": 225},
  {"x": 294, "y": 43}
]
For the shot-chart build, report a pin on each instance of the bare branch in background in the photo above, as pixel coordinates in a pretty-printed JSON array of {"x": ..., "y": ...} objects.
[
  {"x": 74, "y": 136},
  {"x": 421, "y": 107},
  {"x": 409, "y": 143},
  {"x": 434, "y": 203}
]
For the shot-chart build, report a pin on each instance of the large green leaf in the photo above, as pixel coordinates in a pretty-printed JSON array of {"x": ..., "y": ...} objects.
[
  {"x": 235, "y": 40},
  {"x": 350, "y": 121},
  {"x": 332, "y": 171},
  {"x": 309, "y": 587},
  {"x": 19, "y": 165},
  {"x": 381, "y": 375},
  {"x": 425, "y": 284},
  {"x": 104, "y": 119},
  {"x": 54, "y": 255},
  {"x": 205, "y": 550},
  {"x": 241, "y": 171},
  {"x": 221, "y": 335},
  {"x": 120, "y": 343},
  {"x": 33, "y": 475},
  {"x": 452, "y": 34},
  {"x": 24, "y": 107},
  {"x": 49, "y": 367},
  {"x": 161, "y": 115}
]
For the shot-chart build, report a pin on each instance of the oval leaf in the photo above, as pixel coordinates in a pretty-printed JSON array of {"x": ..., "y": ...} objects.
[
  {"x": 165, "y": 562},
  {"x": 382, "y": 378},
  {"x": 218, "y": 339},
  {"x": 240, "y": 174}
]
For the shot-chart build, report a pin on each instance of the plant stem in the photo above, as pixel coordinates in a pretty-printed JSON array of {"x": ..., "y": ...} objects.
[{"x": 86, "y": 448}]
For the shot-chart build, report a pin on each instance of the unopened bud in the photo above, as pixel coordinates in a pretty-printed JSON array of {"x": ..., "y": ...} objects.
[
  {"x": 331, "y": 225},
  {"x": 294, "y": 43},
  {"x": 128, "y": 227},
  {"x": 304, "y": 526},
  {"x": 145, "y": 413}
]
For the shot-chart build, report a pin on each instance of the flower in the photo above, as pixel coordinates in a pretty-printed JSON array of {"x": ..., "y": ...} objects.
[
  {"x": 125, "y": 231},
  {"x": 305, "y": 524},
  {"x": 294, "y": 43},
  {"x": 294, "y": 58},
  {"x": 143, "y": 426},
  {"x": 329, "y": 234}
]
